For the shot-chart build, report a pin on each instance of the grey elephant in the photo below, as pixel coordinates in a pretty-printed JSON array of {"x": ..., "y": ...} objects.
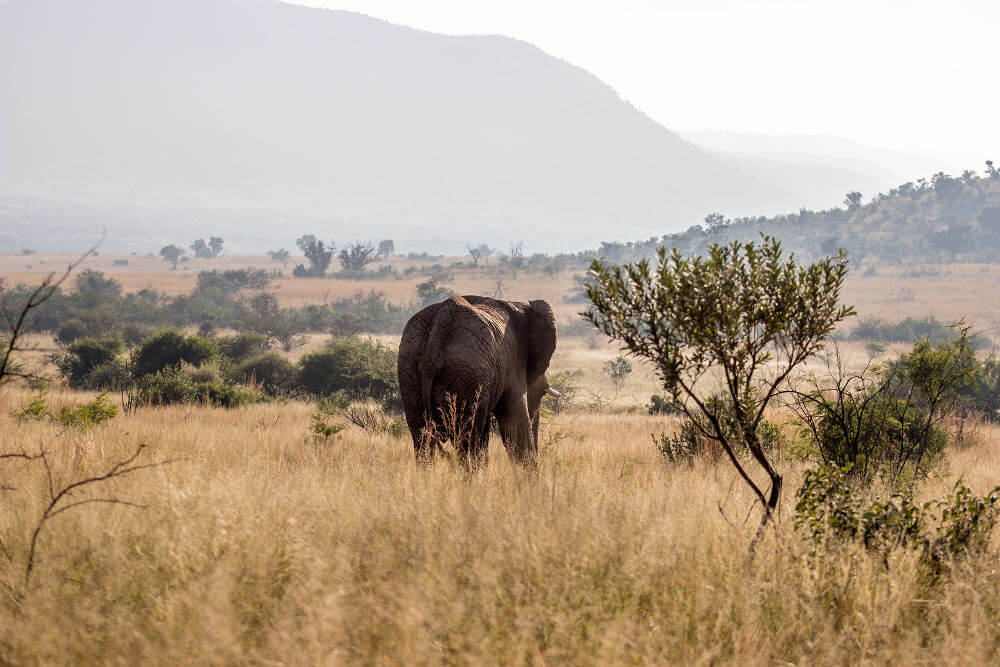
[{"x": 470, "y": 357}]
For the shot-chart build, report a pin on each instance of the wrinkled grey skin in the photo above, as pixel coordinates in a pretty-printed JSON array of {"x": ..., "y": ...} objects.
[{"x": 471, "y": 357}]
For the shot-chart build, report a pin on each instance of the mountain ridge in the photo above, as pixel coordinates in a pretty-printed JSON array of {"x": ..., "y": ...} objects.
[{"x": 337, "y": 115}]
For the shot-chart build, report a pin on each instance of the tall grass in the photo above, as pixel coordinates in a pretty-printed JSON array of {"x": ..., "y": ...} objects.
[{"x": 263, "y": 545}]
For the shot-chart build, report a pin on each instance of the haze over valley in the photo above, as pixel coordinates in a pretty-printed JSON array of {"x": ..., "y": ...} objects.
[{"x": 159, "y": 119}]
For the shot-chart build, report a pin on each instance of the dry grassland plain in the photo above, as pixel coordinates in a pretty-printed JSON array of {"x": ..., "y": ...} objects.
[{"x": 258, "y": 544}]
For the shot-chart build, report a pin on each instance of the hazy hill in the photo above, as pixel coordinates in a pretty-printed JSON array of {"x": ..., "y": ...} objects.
[
  {"x": 264, "y": 118},
  {"x": 940, "y": 219}
]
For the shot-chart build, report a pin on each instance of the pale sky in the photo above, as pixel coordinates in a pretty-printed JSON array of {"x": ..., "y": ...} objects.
[{"x": 916, "y": 75}]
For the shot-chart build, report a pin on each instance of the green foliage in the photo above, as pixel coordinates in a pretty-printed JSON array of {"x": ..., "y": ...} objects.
[
  {"x": 284, "y": 326},
  {"x": 35, "y": 410},
  {"x": 111, "y": 376},
  {"x": 876, "y": 434},
  {"x": 617, "y": 370},
  {"x": 696, "y": 436},
  {"x": 272, "y": 371},
  {"x": 431, "y": 291},
  {"x": 173, "y": 385},
  {"x": 168, "y": 348},
  {"x": 659, "y": 405},
  {"x": 356, "y": 256},
  {"x": 360, "y": 368},
  {"x": 243, "y": 346},
  {"x": 744, "y": 310},
  {"x": 172, "y": 254},
  {"x": 316, "y": 253},
  {"x": 567, "y": 383},
  {"x": 86, "y": 415},
  {"x": 83, "y": 356},
  {"x": 323, "y": 429},
  {"x": 909, "y": 330},
  {"x": 830, "y": 510},
  {"x": 888, "y": 422}
]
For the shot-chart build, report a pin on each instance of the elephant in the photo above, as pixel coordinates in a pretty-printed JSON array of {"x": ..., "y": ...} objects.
[{"x": 470, "y": 357}]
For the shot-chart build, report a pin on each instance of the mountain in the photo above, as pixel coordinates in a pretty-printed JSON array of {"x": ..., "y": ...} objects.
[{"x": 168, "y": 119}]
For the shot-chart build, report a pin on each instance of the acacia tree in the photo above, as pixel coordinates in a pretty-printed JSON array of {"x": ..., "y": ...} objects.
[
  {"x": 172, "y": 254},
  {"x": 742, "y": 314},
  {"x": 215, "y": 245},
  {"x": 280, "y": 256},
  {"x": 356, "y": 256},
  {"x": 317, "y": 253},
  {"x": 478, "y": 252},
  {"x": 201, "y": 249}
]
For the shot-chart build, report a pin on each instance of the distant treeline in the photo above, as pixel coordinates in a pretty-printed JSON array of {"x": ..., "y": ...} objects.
[
  {"x": 941, "y": 219},
  {"x": 236, "y": 299}
]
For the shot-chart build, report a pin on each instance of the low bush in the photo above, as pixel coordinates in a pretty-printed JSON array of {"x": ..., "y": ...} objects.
[
  {"x": 169, "y": 347},
  {"x": 829, "y": 508},
  {"x": 85, "y": 355},
  {"x": 658, "y": 405},
  {"x": 243, "y": 346},
  {"x": 173, "y": 385},
  {"x": 86, "y": 415},
  {"x": 567, "y": 383},
  {"x": 274, "y": 373},
  {"x": 361, "y": 368},
  {"x": 909, "y": 330},
  {"x": 693, "y": 439},
  {"x": 888, "y": 422},
  {"x": 83, "y": 415}
]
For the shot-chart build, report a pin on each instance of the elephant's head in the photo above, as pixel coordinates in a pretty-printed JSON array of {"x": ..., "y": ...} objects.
[{"x": 540, "y": 338}]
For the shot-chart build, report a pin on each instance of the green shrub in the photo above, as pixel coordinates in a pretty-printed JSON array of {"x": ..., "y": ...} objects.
[
  {"x": 173, "y": 385},
  {"x": 692, "y": 439},
  {"x": 272, "y": 371},
  {"x": 567, "y": 383},
  {"x": 134, "y": 334},
  {"x": 346, "y": 325},
  {"x": 829, "y": 508},
  {"x": 84, "y": 355},
  {"x": 83, "y": 415},
  {"x": 432, "y": 291},
  {"x": 35, "y": 410},
  {"x": 243, "y": 346},
  {"x": 360, "y": 368},
  {"x": 111, "y": 376},
  {"x": 871, "y": 431},
  {"x": 617, "y": 370},
  {"x": 86, "y": 415},
  {"x": 168, "y": 348},
  {"x": 889, "y": 422},
  {"x": 909, "y": 330},
  {"x": 71, "y": 330},
  {"x": 658, "y": 405}
]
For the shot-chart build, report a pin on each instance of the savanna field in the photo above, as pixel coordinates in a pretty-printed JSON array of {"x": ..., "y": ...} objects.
[{"x": 248, "y": 537}]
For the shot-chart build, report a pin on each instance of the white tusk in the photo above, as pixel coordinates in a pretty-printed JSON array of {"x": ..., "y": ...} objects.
[{"x": 552, "y": 392}]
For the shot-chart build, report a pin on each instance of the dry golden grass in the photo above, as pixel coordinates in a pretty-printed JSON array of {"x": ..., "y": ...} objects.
[{"x": 261, "y": 545}]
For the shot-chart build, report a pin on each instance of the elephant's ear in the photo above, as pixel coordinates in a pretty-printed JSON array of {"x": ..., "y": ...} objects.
[{"x": 541, "y": 338}]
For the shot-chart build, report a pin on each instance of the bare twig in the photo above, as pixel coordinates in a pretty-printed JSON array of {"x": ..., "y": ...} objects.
[
  {"x": 9, "y": 369},
  {"x": 57, "y": 495}
]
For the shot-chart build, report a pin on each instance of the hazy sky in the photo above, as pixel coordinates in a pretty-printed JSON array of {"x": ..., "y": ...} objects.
[{"x": 890, "y": 73}]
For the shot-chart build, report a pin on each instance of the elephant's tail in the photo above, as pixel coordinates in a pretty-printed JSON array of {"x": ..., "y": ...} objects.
[
  {"x": 433, "y": 366},
  {"x": 427, "y": 381}
]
